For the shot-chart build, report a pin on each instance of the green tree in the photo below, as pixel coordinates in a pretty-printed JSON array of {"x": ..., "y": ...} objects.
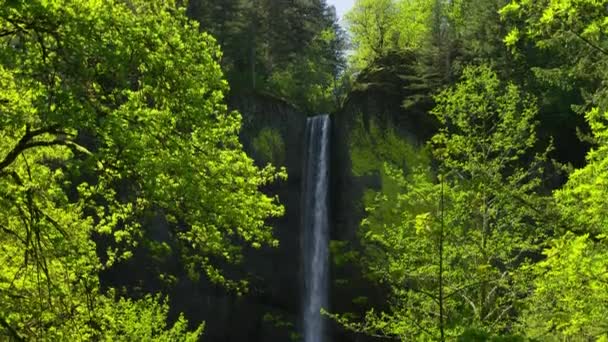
[
  {"x": 311, "y": 81},
  {"x": 111, "y": 113},
  {"x": 287, "y": 48},
  {"x": 575, "y": 36},
  {"x": 582, "y": 199},
  {"x": 379, "y": 27},
  {"x": 569, "y": 298},
  {"x": 485, "y": 152},
  {"x": 371, "y": 24},
  {"x": 452, "y": 251}
]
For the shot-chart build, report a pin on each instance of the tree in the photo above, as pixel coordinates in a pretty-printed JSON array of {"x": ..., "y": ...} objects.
[
  {"x": 272, "y": 45},
  {"x": 569, "y": 297},
  {"x": 311, "y": 80},
  {"x": 453, "y": 251},
  {"x": 570, "y": 291},
  {"x": 581, "y": 199},
  {"x": 379, "y": 27},
  {"x": 574, "y": 33},
  {"x": 371, "y": 24},
  {"x": 485, "y": 150},
  {"x": 111, "y": 114}
]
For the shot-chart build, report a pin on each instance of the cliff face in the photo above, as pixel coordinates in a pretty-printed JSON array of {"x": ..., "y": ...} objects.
[
  {"x": 384, "y": 119},
  {"x": 272, "y": 132},
  {"x": 372, "y": 127}
]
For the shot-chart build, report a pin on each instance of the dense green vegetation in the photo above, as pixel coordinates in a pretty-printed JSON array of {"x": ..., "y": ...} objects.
[
  {"x": 484, "y": 243},
  {"x": 112, "y": 115},
  {"x": 293, "y": 49},
  {"x": 115, "y": 130}
]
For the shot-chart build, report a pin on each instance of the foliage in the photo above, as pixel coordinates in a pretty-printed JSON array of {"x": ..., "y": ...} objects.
[
  {"x": 571, "y": 292},
  {"x": 270, "y": 145},
  {"x": 141, "y": 320},
  {"x": 452, "y": 251},
  {"x": 486, "y": 154},
  {"x": 569, "y": 299},
  {"x": 379, "y": 27},
  {"x": 568, "y": 302},
  {"x": 573, "y": 33},
  {"x": 290, "y": 48},
  {"x": 582, "y": 199},
  {"x": 310, "y": 81},
  {"x": 371, "y": 146},
  {"x": 478, "y": 32},
  {"x": 112, "y": 112}
]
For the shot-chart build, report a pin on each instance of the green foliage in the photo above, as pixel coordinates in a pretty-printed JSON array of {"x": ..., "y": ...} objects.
[
  {"x": 341, "y": 254},
  {"x": 552, "y": 21},
  {"x": 378, "y": 27},
  {"x": 452, "y": 251},
  {"x": 293, "y": 49},
  {"x": 308, "y": 81},
  {"x": 583, "y": 199},
  {"x": 112, "y": 112},
  {"x": 108, "y": 319},
  {"x": 270, "y": 146},
  {"x": 570, "y": 299},
  {"x": 485, "y": 152},
  {"x": 478, "y": 33},
  {"x": 492, "y": 283},
  {"x": 141, "y": 320},
  {"x": 371, "y": 146},
  {"x": 473, "y": 335},
  {"x": 377, "y": 151},
  {"x": 573, "y": 33}
]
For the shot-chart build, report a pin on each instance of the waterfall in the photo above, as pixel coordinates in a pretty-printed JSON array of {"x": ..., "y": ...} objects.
[{"x": 315, "y": 230}]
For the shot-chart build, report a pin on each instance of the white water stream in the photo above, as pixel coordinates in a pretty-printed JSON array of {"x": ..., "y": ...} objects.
[{"x": 315, "y": 233}]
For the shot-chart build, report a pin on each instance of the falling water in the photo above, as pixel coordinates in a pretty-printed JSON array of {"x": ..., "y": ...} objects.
[{"x": 315, "y": 228}]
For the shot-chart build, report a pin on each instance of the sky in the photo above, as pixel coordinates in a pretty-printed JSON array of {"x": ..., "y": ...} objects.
[{"x": 342, "y": 6}]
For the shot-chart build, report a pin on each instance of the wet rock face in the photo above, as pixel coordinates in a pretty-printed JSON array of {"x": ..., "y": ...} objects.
[
  {"x": 385, "y": 118},
  {"x": 272, "y": 132}
]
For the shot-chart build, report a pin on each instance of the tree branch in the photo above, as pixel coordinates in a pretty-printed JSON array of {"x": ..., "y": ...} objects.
[
  {"x": 11, "y": 232},
  {"x": 25, "y": 143},
  {"x": 8, "y": 33},
  {"x": 11, "y": 330},
  {"x": 590, "y": 43}
]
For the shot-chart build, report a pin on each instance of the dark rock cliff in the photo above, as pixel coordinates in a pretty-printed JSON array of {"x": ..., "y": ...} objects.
[
  {"x": 389, "y": 105},
  {"x": 388, "y": 97},
  {"x": 273, "y": 132}
]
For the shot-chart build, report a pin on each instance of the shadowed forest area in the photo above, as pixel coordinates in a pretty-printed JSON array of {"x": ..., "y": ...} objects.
[{"x": 162, "y": 177}]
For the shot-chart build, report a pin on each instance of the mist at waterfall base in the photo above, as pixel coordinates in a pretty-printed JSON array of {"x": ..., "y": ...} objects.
[{"x": 315, "y": 229}]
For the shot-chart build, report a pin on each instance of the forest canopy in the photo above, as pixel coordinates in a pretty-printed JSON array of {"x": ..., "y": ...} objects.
[
  {"x": 480, "y": 210},
  {"x": 500, "y": 238},
  {"x": 112, "y": 115}
]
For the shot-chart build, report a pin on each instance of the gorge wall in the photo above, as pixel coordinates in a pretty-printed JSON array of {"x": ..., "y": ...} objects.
[{"x": 372, "y": 125}]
